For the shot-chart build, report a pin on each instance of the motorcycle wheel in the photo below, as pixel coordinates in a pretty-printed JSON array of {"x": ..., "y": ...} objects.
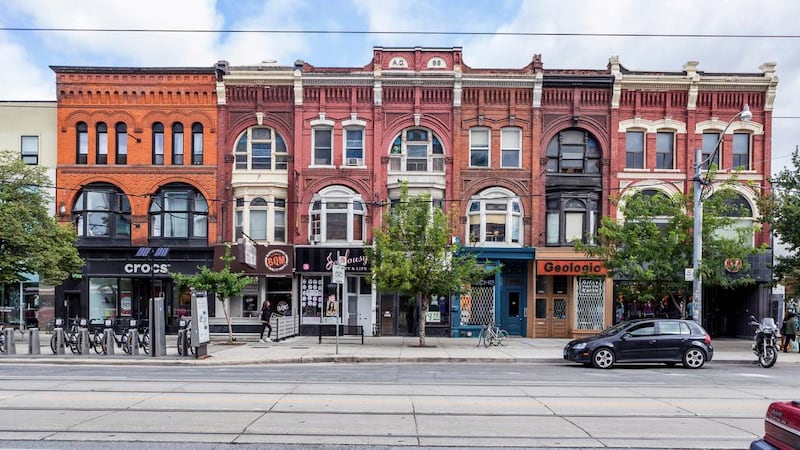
[{"x": 768, "y": 357}]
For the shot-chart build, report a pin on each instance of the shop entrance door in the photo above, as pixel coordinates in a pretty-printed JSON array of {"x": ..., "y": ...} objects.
[
  {"x": 512, "y": 313},
  {"x": 551, "y": 317}
]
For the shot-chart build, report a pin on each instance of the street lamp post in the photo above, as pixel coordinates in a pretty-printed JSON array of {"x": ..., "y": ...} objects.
[{"x": 697, "y": 250}]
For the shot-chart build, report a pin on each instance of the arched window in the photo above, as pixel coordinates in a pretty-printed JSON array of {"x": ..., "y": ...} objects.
[
  {"x": 102, "y": 211},
  {"x": 739, "y": 215},
  {"x": 337, "y": 215},
  {"x": 495, "y": 216},
  {"x": 82, "y": 143},
  {"x": 101, "y": 143},
  {"x": 177, "y": 143},
  {"x": 122, "y": 143},
  {"x": 416, "y": 150},
  {"x": 260, "y": 148},
  {"x": 158, "y": 143},
  {"x": 178, "y": 211},
  {"x": 197, "y": 144},
  {"x": 573, "y": 151}
]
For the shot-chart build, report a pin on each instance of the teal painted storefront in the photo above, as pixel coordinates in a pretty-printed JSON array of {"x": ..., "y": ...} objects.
[{"x": 501, "y": 300}]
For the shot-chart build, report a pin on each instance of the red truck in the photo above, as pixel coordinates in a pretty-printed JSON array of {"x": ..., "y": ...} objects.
[{"x": 781, "y": 427}]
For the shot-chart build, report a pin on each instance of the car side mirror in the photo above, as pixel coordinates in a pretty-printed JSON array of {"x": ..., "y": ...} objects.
[{"x": 626, "y": 336}]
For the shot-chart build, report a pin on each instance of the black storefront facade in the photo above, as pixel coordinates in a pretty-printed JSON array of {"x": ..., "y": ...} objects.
[
  {"x": 321, "y": 302},
  {"x": 119, "y": 283}
]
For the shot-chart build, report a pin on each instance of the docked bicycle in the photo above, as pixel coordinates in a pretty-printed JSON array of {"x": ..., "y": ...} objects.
[{"x": 492, "y": 335}]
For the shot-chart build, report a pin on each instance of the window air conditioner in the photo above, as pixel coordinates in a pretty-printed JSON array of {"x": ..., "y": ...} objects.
[
  {"x": 315, "y": 238},
  {"x": 354, "y": 161}
]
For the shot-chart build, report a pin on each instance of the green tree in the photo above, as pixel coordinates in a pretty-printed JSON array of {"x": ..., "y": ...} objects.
[
  {"x": 31, "y": 240},
  {"x": 413, "y": 254},
  {"x": 653, "y": 245},
  {"x": 224, "y": 284},
  {"x": 782, "y": 210}
]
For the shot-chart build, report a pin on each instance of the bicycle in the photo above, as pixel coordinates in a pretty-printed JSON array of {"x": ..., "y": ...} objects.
[
  {"x": 96, "y": 335},
  {"x": 71, "y": 335},
  {"x": 491, "y": 335},
  {"x": 186, "y": 327},
  {"x": 122, "y": 341},
  {"x": 143, "y": 334},
  {"x": 2, "y": 339}
]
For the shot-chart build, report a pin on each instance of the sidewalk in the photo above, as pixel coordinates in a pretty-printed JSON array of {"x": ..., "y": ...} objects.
[{"x": 306, "y": 349}]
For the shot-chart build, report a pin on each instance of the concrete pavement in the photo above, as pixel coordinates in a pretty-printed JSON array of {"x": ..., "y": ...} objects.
[{"x": 306, "y": 349}]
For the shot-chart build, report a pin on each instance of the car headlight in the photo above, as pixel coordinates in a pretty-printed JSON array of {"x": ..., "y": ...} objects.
[{"x": 579, "y": 346}]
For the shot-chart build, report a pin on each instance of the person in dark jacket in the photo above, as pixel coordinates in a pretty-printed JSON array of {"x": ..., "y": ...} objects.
[
  {"x": 789, "y": 329},
  {"x": 266, "y": 315}
]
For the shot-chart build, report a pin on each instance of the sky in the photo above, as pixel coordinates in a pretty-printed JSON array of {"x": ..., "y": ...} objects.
[{"x": 724, "y": 36}]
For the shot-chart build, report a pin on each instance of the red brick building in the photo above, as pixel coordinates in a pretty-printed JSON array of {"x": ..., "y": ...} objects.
[
  {"x": 137, "y": 168},
  {"x": 309, "y": 158}
]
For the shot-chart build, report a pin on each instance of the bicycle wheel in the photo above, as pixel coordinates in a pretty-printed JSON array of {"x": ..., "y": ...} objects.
[
  {"x": 2, "y": 343},
  {"x": 181, "y": 338},
  {"x": 104, "y": 345},
  {"x": 146, "y": 341},
  {"x": 96, "y": 343},
  {"x": 74, "y": 345},
  {"x": 502, "y": 336},
  {"x": 53, "y": 343},
  {"x": 126, "y": 346}
]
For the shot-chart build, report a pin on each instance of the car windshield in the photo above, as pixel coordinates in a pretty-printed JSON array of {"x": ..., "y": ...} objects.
[{"x": 614, "y": 329}]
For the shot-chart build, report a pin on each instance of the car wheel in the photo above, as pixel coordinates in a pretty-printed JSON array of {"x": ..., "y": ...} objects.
[
  {"x": 694, "y": 358},
  {"x": 603, "y": 358}
]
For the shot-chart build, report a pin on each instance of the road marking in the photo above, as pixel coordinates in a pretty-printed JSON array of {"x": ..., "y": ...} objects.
[{"x": 755, "y": 375}]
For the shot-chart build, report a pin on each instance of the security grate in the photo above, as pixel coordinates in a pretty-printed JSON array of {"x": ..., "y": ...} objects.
[
  {"x": 590, "y": 304},
  {"x": 477, "y": 307}
]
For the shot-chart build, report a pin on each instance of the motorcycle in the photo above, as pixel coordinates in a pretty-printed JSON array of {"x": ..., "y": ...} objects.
[{"x": 765, "y": 341}]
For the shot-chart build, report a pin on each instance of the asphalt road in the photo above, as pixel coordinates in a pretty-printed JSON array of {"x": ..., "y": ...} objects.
[{"x": 336, "y": 405}]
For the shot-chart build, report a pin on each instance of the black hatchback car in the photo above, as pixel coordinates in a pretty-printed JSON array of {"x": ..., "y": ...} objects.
[{"x": 669, "y": 341}]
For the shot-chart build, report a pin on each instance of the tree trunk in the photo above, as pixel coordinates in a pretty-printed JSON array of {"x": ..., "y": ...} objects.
[
  {"x": 228, "y": 319},
  {"x": 425, "y": 301}
]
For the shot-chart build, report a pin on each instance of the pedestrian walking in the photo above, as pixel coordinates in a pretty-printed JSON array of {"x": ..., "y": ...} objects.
[
  {"x": 789, "y": 330},
  {"x": 266, "y": 315}
]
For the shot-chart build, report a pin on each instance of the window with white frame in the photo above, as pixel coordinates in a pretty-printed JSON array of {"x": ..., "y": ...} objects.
[
  {"x": 177, "y": 143},
  {"x": 122, "y": 143},
  {"x": 82, "y": 143},
  {"x": 238, "y": 218},
  {"x": 260, "y": 148},
  {"x": 354, "y": 146},
  {"x": 479, "y": 147},
  {"x": 741, "y": 151},
  {"x": 197, "y": 144},
  {"x": 511, "y": 147},
  {"x": 337, "y": 215},
  {"x": 101, "y": 143},
  {"x": 665, "y": 150},
  {"x": 416, "y": 150},
  {"x": 634, "y": 149},
  {"x": 322, "y": 145},
  {"x": 265, "y": 218},
  {"x": 258, "y": 219},
  {"x": 29, "y": 148},
  {"x": 158, "y": 143},
  {"x": 711, "y": 142},
  {"x": 495, "y": 216}
]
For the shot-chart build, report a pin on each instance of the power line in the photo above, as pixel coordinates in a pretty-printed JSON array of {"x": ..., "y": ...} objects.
[{"x": 406, "y": 33}]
